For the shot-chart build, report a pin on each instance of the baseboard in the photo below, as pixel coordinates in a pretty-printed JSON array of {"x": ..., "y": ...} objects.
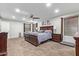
[
  {"x": 68, "y": 44},
  {"x": 15, "y": 37}
]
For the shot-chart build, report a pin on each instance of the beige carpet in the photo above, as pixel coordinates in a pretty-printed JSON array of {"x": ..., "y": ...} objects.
[{"x": 19, "y": 47}]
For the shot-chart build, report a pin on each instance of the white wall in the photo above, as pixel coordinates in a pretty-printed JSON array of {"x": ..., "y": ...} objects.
[
  {"x": 5, "y": 26},
  {"x": 56, "y": 22},
  {"x": 13, "y": 28}
]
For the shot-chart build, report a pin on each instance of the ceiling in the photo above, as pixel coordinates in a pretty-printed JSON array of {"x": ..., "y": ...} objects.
[{"x": 7, "y": 10}]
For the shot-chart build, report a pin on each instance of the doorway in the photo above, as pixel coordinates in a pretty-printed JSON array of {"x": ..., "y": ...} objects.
[{"x": 70, "y": 27}]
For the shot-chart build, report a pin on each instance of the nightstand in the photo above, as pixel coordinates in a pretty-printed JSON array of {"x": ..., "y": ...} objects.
[{"x": 57, "y": 37}]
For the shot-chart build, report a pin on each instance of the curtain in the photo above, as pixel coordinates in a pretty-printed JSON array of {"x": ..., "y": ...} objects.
[{"x": 70, "y": 25}]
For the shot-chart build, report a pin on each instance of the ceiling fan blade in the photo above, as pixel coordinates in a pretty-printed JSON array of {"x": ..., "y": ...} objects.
[{"x": 36, "y": 18}]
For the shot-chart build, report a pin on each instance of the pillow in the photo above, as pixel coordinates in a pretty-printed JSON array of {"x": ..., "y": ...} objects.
[
  {"x": 48, "y": 31},
  {"x": 76, "y": 34},
  {"x": 41, "y": 31}
]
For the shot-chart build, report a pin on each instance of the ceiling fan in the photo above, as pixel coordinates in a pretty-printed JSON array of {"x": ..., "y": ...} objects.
[
  {"x": 31, "y": 18},
  {"x": 34, "y": 17}
]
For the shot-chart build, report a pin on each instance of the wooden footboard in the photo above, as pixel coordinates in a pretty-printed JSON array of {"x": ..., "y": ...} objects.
[{"x": 31, "y": 39}]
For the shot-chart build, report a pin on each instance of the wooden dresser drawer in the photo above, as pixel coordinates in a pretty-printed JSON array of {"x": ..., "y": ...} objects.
[{"x": 56, "y": 37}]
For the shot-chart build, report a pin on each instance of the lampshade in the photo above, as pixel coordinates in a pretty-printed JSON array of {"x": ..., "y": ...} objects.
[
  {"x": 54, "y": 27},
  {"x": 76, "y": 34}
]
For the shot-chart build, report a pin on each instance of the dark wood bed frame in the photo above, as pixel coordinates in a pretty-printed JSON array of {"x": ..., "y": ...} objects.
[{"x": 33, "y": 39}]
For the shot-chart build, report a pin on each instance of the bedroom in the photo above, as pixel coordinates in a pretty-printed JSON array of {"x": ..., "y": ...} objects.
[{"x": 23, "y": 21}]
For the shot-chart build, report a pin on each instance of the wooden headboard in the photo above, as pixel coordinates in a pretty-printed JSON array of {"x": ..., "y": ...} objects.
[{"x": 47, "y": 28}]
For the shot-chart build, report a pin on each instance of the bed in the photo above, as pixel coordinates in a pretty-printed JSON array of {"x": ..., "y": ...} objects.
[{"x": 36, "y": 38}]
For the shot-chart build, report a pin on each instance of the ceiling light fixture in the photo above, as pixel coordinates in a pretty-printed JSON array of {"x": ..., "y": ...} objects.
[
  {"x": 13, "y": 17},
  {"x": 56, "y": 10},
  {"x": 17, "y": 10},
  {"x": 48, "y": 4}
]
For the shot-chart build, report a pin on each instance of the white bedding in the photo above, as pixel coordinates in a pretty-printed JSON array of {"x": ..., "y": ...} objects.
[{"x": 41, "y": 36}]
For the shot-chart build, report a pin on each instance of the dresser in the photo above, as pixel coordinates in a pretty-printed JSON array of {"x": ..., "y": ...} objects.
[
  {"x": 77, "y": 45},
  {"x": 3, "y": 43},
  {"x": 57, "y": 37}
]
